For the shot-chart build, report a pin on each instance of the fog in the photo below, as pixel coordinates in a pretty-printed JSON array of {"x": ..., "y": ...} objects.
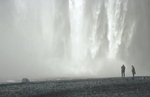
[{"x": 73, "y": 38}]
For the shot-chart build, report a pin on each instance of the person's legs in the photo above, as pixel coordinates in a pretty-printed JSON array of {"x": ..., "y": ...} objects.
[
  {"x": 132, "y": 74},
  {"x": 124, "y": 74}
]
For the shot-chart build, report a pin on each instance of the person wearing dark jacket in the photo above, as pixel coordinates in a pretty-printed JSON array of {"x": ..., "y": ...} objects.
[
  {"x": 133, "y": 71},
  {"x": 123, "y": 70}
]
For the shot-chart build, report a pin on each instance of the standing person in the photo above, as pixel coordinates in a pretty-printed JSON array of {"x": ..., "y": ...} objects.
[
  {"x": 133, "y": 71},
  {"x": 123, "y": 70}
]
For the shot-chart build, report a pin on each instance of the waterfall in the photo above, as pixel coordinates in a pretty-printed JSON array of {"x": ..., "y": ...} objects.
[
  {"x": 76, "y": 8},
  {"x": 116, "y": 13},
  {"x": 74, "y": 37},
  {"x": 94, "y": 43}
]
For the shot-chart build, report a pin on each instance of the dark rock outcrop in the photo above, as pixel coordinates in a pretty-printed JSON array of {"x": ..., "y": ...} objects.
[{"x": 25, "y": 80}]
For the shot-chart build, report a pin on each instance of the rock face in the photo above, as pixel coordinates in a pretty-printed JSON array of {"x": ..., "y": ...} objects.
[{"x": 25, "y": 80}]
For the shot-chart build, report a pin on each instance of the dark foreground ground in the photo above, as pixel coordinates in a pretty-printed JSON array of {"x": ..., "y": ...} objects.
[{"x": 106, "y": 87}]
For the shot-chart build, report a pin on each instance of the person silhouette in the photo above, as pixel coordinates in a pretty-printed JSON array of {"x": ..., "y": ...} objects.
[
  {"x": 123, "y": 70},
  {"x": 133, "y": 71}
]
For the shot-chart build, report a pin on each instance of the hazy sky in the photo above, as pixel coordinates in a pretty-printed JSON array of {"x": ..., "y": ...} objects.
[{"x": 43, "y": 39}]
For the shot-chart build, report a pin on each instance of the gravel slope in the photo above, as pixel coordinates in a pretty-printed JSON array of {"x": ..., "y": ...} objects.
[{"x": 106, "y": 87}]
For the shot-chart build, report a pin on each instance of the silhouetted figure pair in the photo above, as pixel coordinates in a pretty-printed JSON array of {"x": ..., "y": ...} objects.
[
  {"x": 123, "y": 70},
  {"x": 133, "y": 71}
]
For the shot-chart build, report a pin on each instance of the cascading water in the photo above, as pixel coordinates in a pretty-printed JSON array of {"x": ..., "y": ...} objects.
[
  {"x": 76, "y": 8},
  {"x": 116, "y": 13},
  {"x": 94, "y": 43},
  {"x": 115, "y": 24},
  {"x": 74, "y": 37}
]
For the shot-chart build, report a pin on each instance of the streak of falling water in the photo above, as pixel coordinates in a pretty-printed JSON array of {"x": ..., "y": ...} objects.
[
  {"x": 94, "y": 44},
  {"x": 116, "y": 12},
  {"x": 76, "y": 8}
]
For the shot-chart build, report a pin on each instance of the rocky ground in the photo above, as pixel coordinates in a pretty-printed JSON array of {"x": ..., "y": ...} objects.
[{"x": 106, "y": 87}]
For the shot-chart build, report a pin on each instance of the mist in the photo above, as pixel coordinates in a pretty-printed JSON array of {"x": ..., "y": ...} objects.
[{"x": 73, "y": 38}]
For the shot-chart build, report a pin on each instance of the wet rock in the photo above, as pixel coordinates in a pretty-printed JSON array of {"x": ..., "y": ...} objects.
[
  {"x": 25, "y": 80},
  {"x": 143, "y": 78}
]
